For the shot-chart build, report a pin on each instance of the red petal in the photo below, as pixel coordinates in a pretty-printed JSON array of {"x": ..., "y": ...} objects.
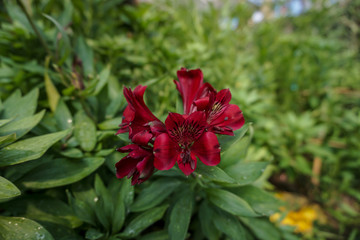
[
  {"x": 207, "y": 149},
  {"x": 232, "y": 118},
  {"x": 165, "y": 151},
  {"x": 128, "y": 148},
  {"x": 189, "y": 167},
  {"x": 224, "y": 96},
  {"x": 202, "y": 103},
  {"x": 125, "y": 166},
  {"x": 142, "y": 138},
  {"x": 188, "y": 86},
  {"x": 145, "y": 167}
]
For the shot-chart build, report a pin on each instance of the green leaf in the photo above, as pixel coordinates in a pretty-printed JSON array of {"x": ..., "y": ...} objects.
[
  {"x": 180, "y": 216},
  {"x": 157, "y": 235},
  {"x": 82, "y": 210},
  {"x": 262, "y": 228},
  {"x": 154, "y": 194},
  {"x": 20, "y": 107},
  {"x": 206, "y": 216},
  {"x": 227, "y": 141},
  {"x": 3, "y": 122},
  {"x": 214, "y": 174},
  {"x": 230, "y": 203},
  {"x": 85, "y": 131},
  {"x": 246, "y": 172},
  {"x": 86, "y": 55},
  {"x": 229, "y": 224},
  {"x": 72, "y": 153},
  {"x": 103, "y": 78},
  {"x": 60, "y": 172},
  {"x": 63, "y": 116},
  {"x": 22, "y": 126},
  {"x": 51, "y": 92},
  {"x": 8, "y": 189},
  {"x": 93, "y": 234},
  {"x": 143, "y": 221},
  {"x": 4, "y": 140},
  {"x": 236, "y": 153},
  {"x": 29, "y": 149},
  {"x": 261, "y": 201},
  {"x": 110, "y": 124},
  {"x": 12, "y": 228},
  {"x": 104, "y": 195}
]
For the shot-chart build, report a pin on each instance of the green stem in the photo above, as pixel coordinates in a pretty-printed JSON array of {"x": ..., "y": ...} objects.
[{"x": 22, "y": 6}]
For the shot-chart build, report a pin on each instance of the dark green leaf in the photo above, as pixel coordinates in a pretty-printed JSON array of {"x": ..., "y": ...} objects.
[
  {"x": 86, "y": 55},
  {"x": 206, "y": 216},
  {"x": 93, "y": 234},
  {"x": 72, "y": 153},
  {"x": 60, "y": 172},
  {"x": 154, "y": 194},
  {"x": 262, "y": 228},
  {"x": 29, "y": 149},
  {"x": 13, "y": 228},
  {"x": 230, "y": 203},
  {"x": 214, "y": 174},
  {"x": 103, "y": 78},
  {"x": 82, "y": 210},
  {"x": 158, "y": 235},
  {"x": 143, "y": 221},
  {"x": 229, "y": 224},
  {"x": 180, "y": 216}
]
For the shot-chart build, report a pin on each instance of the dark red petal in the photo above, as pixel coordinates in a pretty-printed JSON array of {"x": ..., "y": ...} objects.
[
  {"x": 188, "y": 167},
  {"x": 223, "y": 97},
  {"x": 202, "y": 103},
  {"x": 146, "y": 167},
  {"x": 125, "y": 166},
  {"x": 173, "y": 121},
  {"x": 189, "y": 84},
  {"x": 165, "y": 151},
  {"x": 206, "y": 90},
  {"x": 232, "y": 118},
  {"x": 142, "y": 138},
  {"x": 207, "y": 149},
  {"x": 128, "y": 148}
]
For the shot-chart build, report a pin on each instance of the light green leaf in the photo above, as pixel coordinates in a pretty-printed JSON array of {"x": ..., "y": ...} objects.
[
  {"x": 72, "y": 153},
  {"x": 85, "y": 131},
  {"x": 4, "y": 140},
  {"x": 28, "y": 149},
  {"x": 8, "y": 189},
  {"x": 230, "y": 203},
  {"x": 236, "y": 153},
  {"x": 246, "y": 172},
  {"x": 63, "y": 116},
  {"x": 3, "y": 122},
  {"x": 86, "y": 55},
  {"x": 261, "y": 201},
  {"x": 154, "y": 194},
  {"x": 143, "y": 221},
  {"x": 22, "y": 126},
  {"x": 180, "y": 216},
  {"x": 12, "y": 228},
  {"x": 103, "y": 78},
  {"x": 60, "y": 172},
  {"x": 20, "y": 107},
  {"x": 51, "y": 92}
]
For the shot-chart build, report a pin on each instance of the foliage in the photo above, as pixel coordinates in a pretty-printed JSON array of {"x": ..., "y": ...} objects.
[{"x": 294, "y": 78}]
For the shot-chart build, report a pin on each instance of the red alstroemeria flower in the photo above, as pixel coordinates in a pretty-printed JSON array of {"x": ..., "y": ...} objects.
[
  {"x": 138, "y": 164},
  {"x": 138, "y": 120},
  {"x": 191, "y": 88},
  {"x": 222, "y": 117},
  {"x": 185, "y": 140}
]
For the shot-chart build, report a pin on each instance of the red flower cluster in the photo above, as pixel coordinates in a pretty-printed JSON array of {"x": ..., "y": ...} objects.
[{"x": 183, "y": 138}]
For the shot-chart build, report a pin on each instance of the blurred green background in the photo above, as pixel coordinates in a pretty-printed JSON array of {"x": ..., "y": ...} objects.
[{"x": 296, "y": 78}]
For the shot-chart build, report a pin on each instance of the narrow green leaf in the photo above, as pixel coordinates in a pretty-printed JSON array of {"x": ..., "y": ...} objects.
[
  {"x": 103, "y": 78},
  {"x": 154, "y": 194},
  {"x": 157, "y": 235},
  {"x": 86, "y": 55},
  {"x": 246, "y": 172},
  {"x": 118, "y": 217},
  {"x": 22, "y": 126},
  {"x": 85, "y": 131},
  {"x": 143, "y": 221},
  {"x": 8, "y": 189},
  {"x": 72, "y": 153},
  {"x": 60, "y": 172},
  {"x": 51, "y": 92},
  {"x": 28, "y": 149},
  {"x": 227, "y": 141},
  {"x": 12, "y": 228},
  {"x": 103, "y": 193},
  {"x": 261, "y": 201},
  {"x": 262, "y": 228},
  {"x": 229, "y": 224},
  {"x": 93, "y": 234},
  {"x": 82, "y": 210},
  {"x": 230, "y": 203},
  {"x": 180, "y": 216},
  {"x": 3, "y": 122},
  {"x": 206, "y": 216}
]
